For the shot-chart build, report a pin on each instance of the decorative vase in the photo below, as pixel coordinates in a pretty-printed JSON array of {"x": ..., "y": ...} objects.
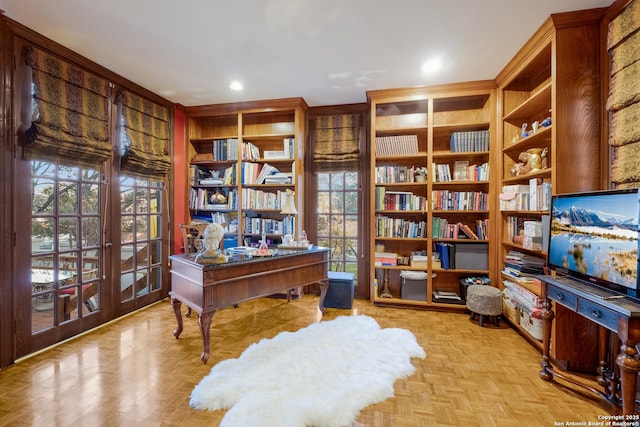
[
  {"x": 535, "y": 159},
  {"x": 421, "y": 178}
]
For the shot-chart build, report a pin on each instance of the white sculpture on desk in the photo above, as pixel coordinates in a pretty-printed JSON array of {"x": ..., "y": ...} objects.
[{"x": 210, "y": 254}]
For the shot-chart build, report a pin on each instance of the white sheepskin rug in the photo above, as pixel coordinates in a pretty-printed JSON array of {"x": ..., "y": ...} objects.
[{"x": 322, "y": 375}]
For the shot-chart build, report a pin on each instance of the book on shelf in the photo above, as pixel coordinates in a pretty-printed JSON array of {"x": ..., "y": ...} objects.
[
  {"x": 448, "y": 294},
  {"x": 265, "y": 171},
  {"x": 386, "y": 259},
  {"x": 397, "y": 145},
  {"x": 273, "y": 154},
  {"x": 446, "y": 253},
  {"x": 469, "y": 141},
  {"x": 289, "y": 147},
  {"x": 468, "y": 231},
  {"x": 441, "y": 172},
  {"x": 211, "y": 181}
]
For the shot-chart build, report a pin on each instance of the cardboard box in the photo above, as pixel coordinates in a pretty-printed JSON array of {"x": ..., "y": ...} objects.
[{"x": 419, "y": 261}]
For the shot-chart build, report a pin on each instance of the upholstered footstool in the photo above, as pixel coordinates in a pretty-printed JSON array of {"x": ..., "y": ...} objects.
[{"x": 484, "y": 300}]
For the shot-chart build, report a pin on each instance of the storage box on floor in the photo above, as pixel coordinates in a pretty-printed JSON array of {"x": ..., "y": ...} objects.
[
  {"x": 523, "y": 307},
  {"x": 413, "y": 285},
  {"x": 340, "y": 293}
]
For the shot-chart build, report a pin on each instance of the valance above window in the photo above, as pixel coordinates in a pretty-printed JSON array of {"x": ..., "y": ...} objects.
[
  {"x": 65, "y": 112},
  {"x": 337, "y": 141},
  {"x": 144, "y": 136}
]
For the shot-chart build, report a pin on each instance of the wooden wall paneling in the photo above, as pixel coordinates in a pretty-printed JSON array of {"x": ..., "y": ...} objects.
[{"x": 7, "y": 346}]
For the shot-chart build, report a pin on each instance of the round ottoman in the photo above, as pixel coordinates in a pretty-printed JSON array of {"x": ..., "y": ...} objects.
[{"x": 484, "y": 300}]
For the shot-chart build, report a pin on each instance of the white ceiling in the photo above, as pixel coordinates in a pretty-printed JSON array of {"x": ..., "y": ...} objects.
[{"x": 327, "y": 51}]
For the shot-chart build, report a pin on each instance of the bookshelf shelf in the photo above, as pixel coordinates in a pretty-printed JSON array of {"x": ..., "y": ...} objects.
[{"x": 449, "y": 124}]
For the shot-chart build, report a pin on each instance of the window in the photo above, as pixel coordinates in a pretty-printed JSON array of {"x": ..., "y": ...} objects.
[{"x": 337, "y": 218}]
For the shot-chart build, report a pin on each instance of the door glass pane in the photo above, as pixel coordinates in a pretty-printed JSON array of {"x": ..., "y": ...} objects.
[
  {"x": 142, "y": 200},
  {"x": 142, "y": 227},
  {"x": 43, "y": 197},
  {"x": 42, "y": 232},
  {"x": 68, "y": 233},
  {"x": 68, "y": 197},
  {"x": 126, "y": 229},
  {"x": 90, "y": 197}
]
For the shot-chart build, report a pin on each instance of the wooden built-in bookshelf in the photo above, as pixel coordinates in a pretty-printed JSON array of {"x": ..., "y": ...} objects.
[
  {"x": 428, "y": 117},
  {"x": 241, "y": 140}
]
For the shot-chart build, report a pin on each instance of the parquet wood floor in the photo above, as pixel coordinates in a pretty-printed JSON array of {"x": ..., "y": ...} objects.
[{"x": 134, "y": 372}]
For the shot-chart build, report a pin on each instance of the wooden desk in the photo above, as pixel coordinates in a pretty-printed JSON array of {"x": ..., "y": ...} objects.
[
  {"x": 611, "y": 312},
  {"x": 205, "y": 288}
]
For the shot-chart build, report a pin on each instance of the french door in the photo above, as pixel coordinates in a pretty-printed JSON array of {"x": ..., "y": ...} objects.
[{"x": 95, "y": 250}]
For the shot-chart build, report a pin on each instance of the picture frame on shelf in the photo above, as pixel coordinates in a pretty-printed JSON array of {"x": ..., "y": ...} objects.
[{"x": 461, "y": 170}]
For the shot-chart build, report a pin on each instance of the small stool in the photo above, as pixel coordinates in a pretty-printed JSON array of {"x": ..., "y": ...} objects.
[{"x": 484, "y": 300}]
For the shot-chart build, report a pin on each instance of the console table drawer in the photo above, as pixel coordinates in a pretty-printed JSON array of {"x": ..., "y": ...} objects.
[
  {"x": 561, "y": 296},
  {"x": 599, "y": 314}
]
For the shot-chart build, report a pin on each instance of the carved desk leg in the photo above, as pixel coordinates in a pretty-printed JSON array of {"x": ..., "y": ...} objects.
[
  {"x": 324, "y": 287},
  {"x": 175, "y": 302},
  {"x": 605, "y": 377},
  {"x": 629, "y": 363},
  {"x": 547, "y": 320},
  {"x": 204, "y": 320}
]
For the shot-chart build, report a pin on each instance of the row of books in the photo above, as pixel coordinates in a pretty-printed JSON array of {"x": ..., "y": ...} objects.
[
  {"x": 394, "y": 174},
  {"x": 225, "y": 149},
  {"x": 446, "y": 200},
  {"x": 523, "y": 267},
  {"x": 442, "y": 229},
  {"x": 385, "y": 259},
  {"x": 257, "y": 173},
  {"x": 259, "y": 199},
  {"x": 534, "y": 196},
  {"x": 462, "y": 171},
  {"x": 399, "y": 200},
  {"x": 251, "y": 151},
  {"x": 398, "y": 145},
  {"x": 469, "y": 141},
  {"x": 399, "y": 227},
  {"x": 228, "y": 220},
  {"x": 256, "y": 225},
  {"x": 201, "y": 199},
  {"x": 515, "y": 227}
]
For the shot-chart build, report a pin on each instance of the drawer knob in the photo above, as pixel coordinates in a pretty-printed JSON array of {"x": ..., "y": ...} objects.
[
  {"x": 596, "y": 313},
  {"x": 560, "y": 297}
]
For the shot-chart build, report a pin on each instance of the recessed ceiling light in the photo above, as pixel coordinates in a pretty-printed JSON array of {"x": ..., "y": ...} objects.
[
  {"x": 431, "y": 65},
  {"x": 236, "y": 85}
]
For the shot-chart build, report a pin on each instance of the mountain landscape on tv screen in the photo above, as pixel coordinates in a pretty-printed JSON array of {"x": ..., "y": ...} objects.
[{"x": 577, "y": 216}]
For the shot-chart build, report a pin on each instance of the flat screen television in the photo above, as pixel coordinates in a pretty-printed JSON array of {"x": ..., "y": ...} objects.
[{"x": 594, "y": 237}]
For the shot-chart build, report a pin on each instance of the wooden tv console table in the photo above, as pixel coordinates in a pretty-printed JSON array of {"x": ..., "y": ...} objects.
[
  {"x": 613, "y": 313},
  {"x": 205, "y": 288}
]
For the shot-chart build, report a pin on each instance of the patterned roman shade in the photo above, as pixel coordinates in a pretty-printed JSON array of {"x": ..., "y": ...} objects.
[
  {"x": 144, "y": 136},
  {"x": 65, "y": 118},
  {"x": 337, "y": 141}
]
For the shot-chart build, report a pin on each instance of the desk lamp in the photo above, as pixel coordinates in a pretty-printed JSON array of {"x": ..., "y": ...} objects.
[{"x": 289, "y": 209}]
